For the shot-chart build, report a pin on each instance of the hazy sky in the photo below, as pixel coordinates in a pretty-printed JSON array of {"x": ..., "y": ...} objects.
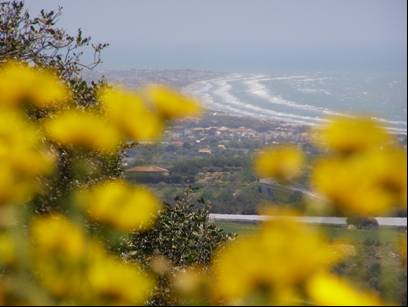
[{"x": 243, "y": 35}]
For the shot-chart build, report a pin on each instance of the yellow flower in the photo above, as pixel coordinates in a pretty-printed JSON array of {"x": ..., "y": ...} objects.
[
  {"x": 171, "y": 104},
  {"x": 365, "y": 184},
  {"x": 73, "y": 267},
  {"x": 112, "y": 281},
  {"x": 343, "y": 250},
  {"x": 346, "y": 135},
  {"x": 327, "y": 290},
  {"x": 190, "y": 281},
  {"x": 55, "y": 235},
  {"x": 129, "y": 113},
  {"x": 15, "y": 189},
  {"x": 78, "y": 269},
  {"x": 7, "y": 249},
  {"x": 20, "y": 83},
  {"x": 281, "y": 162},
  {"x": 23, "y": 158},
  {"x": 160, "y": 265},
  {"x": 391, "y": 168},
  {"x": 60, "y": 255},
  {"x": 281, "y": 255},
  {"x": 119, "y": 204},
  {"x": 83, "y": 130}
]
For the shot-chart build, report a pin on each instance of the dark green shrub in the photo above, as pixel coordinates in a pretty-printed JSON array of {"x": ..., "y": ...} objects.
[{"x": 182, "y": 233}]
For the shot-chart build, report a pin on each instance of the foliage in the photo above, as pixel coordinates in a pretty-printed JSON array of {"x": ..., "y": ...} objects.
[
  {"x": 37, "y": 40},
  {"x": 182, "y": 233}
]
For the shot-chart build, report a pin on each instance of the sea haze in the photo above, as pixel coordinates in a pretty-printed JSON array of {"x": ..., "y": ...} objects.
[{"x": 308, "y": 98}]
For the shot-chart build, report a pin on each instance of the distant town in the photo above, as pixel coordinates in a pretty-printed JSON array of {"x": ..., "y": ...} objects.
[{"x": 213, "y": 154}]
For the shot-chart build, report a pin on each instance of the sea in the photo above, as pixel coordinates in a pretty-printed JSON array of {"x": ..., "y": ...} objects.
[{"x": 308, "y": 98}]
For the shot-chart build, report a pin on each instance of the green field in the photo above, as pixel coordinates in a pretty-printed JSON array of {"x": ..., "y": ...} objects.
[{"x": 385, "y": 235}]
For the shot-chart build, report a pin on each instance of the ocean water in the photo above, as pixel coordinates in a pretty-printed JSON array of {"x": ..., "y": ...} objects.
[{"x": 309, "y": 98}]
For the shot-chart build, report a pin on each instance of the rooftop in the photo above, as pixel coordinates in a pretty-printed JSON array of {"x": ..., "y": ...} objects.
[{"x": 147, "y": 169}]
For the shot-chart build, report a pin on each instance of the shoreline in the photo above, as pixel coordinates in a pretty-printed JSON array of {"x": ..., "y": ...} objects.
[{"x": 223, "y": 94}]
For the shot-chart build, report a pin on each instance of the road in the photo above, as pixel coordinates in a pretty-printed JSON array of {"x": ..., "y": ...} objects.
[{"x": 340, "y": 221}]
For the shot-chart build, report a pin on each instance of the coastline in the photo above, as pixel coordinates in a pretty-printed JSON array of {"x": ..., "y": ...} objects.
[{"x": 249, "y": 95}]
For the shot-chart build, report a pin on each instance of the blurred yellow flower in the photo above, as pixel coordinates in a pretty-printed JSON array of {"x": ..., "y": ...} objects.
[
  {"x": 113, "y": 281},
  {"x": 191, "y": 280},
  {"x": 74, "y": 267},
  {"x": 58, "y": 252},
  {"x": 84, "y": 130},
  {"x": 365, "y": 184},
  {"x": 343, "y": 250},
  {"x": 23, "y": 158},
  {"x": 347, "y": 135},
  {"x": 280, "y": 162},
  {"x": 7, "y": 249},
  {"x": 15, "y": 189},
  {"x": 280, "y": 255},
  {"x": 327, "y": 290},
  {"x": 129, "y": 113},
  {"x": 390, "y": 165},
  {"x": 20, "y": 84},
  {"x": 56, "y": 235},
  {"x": 160, "y": 265},
  {"x": 121, "y": 205},
  {"x": 171, "y": 104},
  {"x": 192, "y": 286}
]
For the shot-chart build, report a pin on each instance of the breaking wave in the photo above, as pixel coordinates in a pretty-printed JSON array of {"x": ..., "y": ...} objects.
[{"x": 220, "y": 95}]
